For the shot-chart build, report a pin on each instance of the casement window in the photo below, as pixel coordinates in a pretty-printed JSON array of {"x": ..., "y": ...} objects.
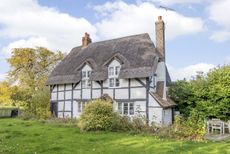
[
  {"x": 86, "y": 83},
  {"x": 113, "y": 73},
  {"x": 126, "y": 108},
  {"x": 81, "y": 106},
  {"x": 153, "y": 81}
]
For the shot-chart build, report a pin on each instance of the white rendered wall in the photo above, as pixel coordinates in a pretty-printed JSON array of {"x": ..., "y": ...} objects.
[
  {"x": 68, "y": 95},
  {"x": 75, "y": 109},
  {"x": 95, "y": 85},
  {"x": 138, "y": 93},
  {"x": 96, "y": 94},
  {"x": 155, "y": 111},
  {"x": 109, "y": 92},
  {"x": 155, "y": 116},
  {"x": 61, "y": 95},
  {"x": 67, "y": 106},
  {"x": 153, "y": 102},
  {"x": 114, "y": 63},
  {"x": 53, "y": 96},
  {"x": 76, "y": 94},
  {"x": 86, "y": 93},
  {"x": 161, "y": 75},
  {"x": 86, "y": 68},
  {"x": 135, "y": 83},
  {"x": 121, "y": 93},
  {"x": 61, "y": 87},
  {"x": 140, "y": 108},
  {"x": 167, "y": 116}
]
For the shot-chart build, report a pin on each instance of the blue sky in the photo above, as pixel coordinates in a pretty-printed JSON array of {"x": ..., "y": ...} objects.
[{"x": 197, "y": 32}]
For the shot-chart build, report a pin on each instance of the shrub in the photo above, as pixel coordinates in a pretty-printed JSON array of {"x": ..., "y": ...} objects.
[
  {"x": 121, "y": 123},
  {"x": 135, "y": 125},
  {"x": 191, "y": 128},
  {"x": 97, "y": 115}
]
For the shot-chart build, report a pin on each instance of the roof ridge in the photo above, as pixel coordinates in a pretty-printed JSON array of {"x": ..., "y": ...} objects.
[{"x": 114, "y": 39}]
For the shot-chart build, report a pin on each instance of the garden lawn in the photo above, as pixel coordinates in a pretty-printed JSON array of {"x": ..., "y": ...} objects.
[{"x": 35, "y": 137}]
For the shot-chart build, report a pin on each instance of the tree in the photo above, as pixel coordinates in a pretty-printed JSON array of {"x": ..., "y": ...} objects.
[
  {"x": 29, "y": 69},
  {"x": 208, "y": 95},
  {"x": 5, "y": 94}
]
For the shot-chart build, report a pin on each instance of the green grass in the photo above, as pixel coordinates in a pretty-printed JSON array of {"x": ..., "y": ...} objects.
[{"x": 30, "y": 137}]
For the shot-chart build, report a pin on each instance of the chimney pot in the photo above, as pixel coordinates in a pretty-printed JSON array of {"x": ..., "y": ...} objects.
[
  {"x": 159, "y": 18},
  {"x": 86, "y": 40}
]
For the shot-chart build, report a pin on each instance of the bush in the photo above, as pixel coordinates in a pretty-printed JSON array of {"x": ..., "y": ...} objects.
[
  {"x": 191, "y": 128},
  {"x": 135, "y": 125},
  {"x": 97, "y": 115},
  {"x": 121, "y": 123}
]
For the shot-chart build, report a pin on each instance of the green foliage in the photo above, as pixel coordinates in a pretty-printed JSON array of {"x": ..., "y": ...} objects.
[
  {"x": 135, "y": 125},
  {"x": 40, "y": 103},
  {"x": 209, "y": 95},
  {"x": 192, "y": 128},
  {"x": 97, "y": 115},
  {"x": 29, "y": 69},
  {"x": 5, "y": 93}
]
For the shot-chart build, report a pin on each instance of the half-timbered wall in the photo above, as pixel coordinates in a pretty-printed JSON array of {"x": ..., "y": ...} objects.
[{"x": 70, "y": 98}]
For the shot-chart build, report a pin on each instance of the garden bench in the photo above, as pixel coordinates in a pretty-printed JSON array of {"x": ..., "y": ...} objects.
[
  {"x": 226, "y": 125},
  {"x": 217, "y": 124}
]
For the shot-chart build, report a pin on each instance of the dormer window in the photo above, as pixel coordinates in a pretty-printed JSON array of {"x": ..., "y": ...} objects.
[
  {"x": 86, "y": 72},
  {"x": 113, "y": 72}
]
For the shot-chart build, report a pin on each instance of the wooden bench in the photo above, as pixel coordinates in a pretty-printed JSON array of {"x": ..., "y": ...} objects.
[{"x": 217, "y": 124}]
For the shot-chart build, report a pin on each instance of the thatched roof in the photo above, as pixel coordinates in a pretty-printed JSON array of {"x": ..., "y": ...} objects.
[{"x": 136, "y": 53}]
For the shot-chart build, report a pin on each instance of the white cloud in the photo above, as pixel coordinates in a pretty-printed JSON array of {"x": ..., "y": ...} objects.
[
  {"x": 27, "y": 22},
  {"x": 171, "y": 2},
  {"x": 219, "y": 13},
  {"x": 30, "y": 43},
  {"x": 30, "y": 24},
  {"x": 189, "y": 71},
  {"x": 121, "y": 19}
]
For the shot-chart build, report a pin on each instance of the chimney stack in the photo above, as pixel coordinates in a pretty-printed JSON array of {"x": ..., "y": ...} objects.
[
  {"x": 160, "y": 36},
  {"x": 86, "y": 40}
]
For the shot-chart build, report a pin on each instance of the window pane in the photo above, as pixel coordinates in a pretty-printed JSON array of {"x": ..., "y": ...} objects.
[
  {"x": 79, "y": 106},
  {"x": 125, "y": 108},
  {"x": 111, "y": 71},
  {"x": 117, "y": 70},
  {"x": 120, "y": 108},
  {"x": 88, "y": 74},
  {"x": 117, "y": 83},
  {"x": 83, "y": 74},
  {"x": 111, "y": 82},
  {"x": 131, "y": 109}
]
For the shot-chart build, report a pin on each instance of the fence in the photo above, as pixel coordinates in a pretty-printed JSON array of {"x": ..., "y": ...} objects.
[{"x": 8, "y": 112}]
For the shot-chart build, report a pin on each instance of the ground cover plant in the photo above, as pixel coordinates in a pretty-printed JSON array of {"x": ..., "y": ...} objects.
[{"x": 51, "y": 137}]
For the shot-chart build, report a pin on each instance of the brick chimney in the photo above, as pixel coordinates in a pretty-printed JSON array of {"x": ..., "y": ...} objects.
[
  {"x": 86, "y": 40},
  {"x": 160, "y": 36}
]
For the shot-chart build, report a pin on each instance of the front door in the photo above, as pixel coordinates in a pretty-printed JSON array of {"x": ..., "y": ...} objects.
[{"x": 54, "y": 108}]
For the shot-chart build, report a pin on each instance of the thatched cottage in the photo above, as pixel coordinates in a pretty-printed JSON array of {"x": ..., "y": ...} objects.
[{"x": 131, "y": 70}]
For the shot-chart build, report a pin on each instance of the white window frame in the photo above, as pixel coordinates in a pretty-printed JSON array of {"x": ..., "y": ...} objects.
[
  {"x": 153, "y": 81},
  {"x": 86, "y": 83},
  {"x": 121, "y": 109},
  {"x": 113, "y": 73}
]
